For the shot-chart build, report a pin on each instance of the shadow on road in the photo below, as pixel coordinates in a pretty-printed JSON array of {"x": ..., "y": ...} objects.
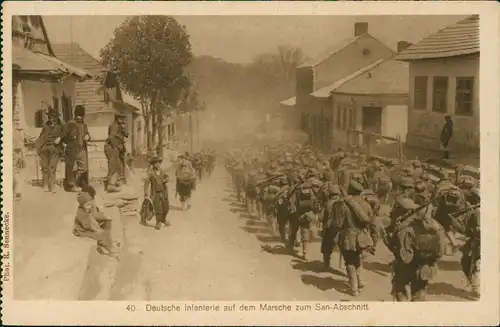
[
  {"x": 315, "y": 266},
  {"x": 380, "y": 268},
  {"x": 277, "y": 250},
  {"x": 448, "y": 289},
  {"x": 326, "y": 283},
  {"x": 450, "y": 265},
  {"x": 256, "y": 230}
]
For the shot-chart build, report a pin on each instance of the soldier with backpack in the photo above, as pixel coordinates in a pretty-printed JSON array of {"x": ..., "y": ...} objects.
[
  {"x": 185, "y": 181},
  {"x": 417, "y": 242},
  {"x": 467, "y": 222},
  {"x": 331, "y": 223},
  {"x": 448, "y": 200},
  {"x": 304, "y": 209},
  {"x": 358, "y": 234}
]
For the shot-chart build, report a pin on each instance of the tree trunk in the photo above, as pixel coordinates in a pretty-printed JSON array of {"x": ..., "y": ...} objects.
[{"x": 160, "y": 131}]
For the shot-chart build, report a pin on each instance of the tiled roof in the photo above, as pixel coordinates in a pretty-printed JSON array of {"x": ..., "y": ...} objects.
[
  {"x": 389, "y": 77},
  {"x": 30, "y": 61},
  {"x": 289, "y": 102},
  {"x": 330, "y": 51},
  {"x": 459, "y": 39},
  {"x": 72, "y": 53},
  {"x": 87, "y": 93},
  {"x": 327, "y": 90}
]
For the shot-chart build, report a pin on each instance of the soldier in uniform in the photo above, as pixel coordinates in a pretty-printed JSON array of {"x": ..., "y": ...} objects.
[
  {"x": 115, "y": 150},
  {"x": 304, "y": 209},
  {"x": 470, "y": 226},
  {"x": 329, "y": 226},
  {"x": 76, "y": 136},
  {"x": 185, "y": 181},
  {"x": 356, "y": 235},
  {"x": 155, "y": 187},
  {"x": 49, "y": 147},
  {"x": 417, "y": 242},
  {"x": 407, "y": 189}
]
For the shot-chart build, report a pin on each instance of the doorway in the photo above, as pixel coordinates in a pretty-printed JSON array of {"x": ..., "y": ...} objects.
[
  {"x": 372, "y": 119},
  {"x": 372, "y": 122}
]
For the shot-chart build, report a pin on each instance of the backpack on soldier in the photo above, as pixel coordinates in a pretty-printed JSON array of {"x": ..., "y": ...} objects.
[
  {"x": 185, "y": 174},
  {"x": 429, "y": 239},
  {"x": 360, "y": 209},
  {"x": 306, "y": 198},
  {"x": 271, "y": 193}
]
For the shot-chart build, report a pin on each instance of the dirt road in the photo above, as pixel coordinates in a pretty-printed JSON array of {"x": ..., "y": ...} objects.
[{"x": 216, "y": 251}]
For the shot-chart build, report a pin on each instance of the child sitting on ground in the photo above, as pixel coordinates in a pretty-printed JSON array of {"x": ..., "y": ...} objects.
[{"x": 91, "y": 222}]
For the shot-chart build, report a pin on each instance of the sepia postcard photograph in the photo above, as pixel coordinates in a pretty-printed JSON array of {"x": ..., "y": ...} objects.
[{"x": 250, "y": 163}]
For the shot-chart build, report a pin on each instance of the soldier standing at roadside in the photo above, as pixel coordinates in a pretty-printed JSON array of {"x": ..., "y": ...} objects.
[
  {"x": 76, "y": 136},
  {"x": 115, "y": 151},
  {"x": 48, "y": 146}
]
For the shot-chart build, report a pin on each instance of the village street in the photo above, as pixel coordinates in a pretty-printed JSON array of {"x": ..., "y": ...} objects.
[{"x": 214, "y": 251}]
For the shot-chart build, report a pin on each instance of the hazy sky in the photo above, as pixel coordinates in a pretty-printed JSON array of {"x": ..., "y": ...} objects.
[{"x": 241, "y": 38}]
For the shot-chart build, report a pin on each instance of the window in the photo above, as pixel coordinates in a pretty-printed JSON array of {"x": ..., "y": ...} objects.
[
  {"x": 464, "y": 96},
  {"x": 347, "y": 118},
  {"x": 339, "y": 117},
  {"x": 440, "y": 92},
  {"x": 420, "y": 92},
  {"x": 352, "y": 118},
  {"x": 67, "y": 111}
]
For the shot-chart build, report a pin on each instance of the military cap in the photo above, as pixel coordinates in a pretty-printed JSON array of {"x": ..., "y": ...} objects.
[
  {"x": 406, "y": 203},
  {"x": 53, "y": 113},
  {"x": 407, "y": 182},
  {"x": 335, "y": 190},
  {"x": 155, "y": 158},
  {"x": 120, "y": 114},
  {"x": 79, "y": 111},
  {"x": 354, "y": 185}
]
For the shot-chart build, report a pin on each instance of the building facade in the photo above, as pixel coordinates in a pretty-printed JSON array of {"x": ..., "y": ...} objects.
[
  {"x": 343, "y": 60},
  {"x": 444, "y": 81},
  {"x": 40, "y": 81}
]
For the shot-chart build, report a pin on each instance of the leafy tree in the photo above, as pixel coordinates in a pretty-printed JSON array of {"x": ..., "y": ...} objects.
[{"x": 150, "y": 54}]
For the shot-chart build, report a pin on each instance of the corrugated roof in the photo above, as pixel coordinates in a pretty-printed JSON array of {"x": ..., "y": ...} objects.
[
  {"x": 459, "y": 39},
  {"x": 327, "y": 90},
  {"x": 388, "y": 77},
  {"x": 330, "y": 51},
  {"x": 289, "y": 102},
  {"x": 31, "y": 61}
]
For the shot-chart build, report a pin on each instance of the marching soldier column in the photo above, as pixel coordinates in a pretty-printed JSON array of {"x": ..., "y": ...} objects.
[{"x": 293, "y": 187}]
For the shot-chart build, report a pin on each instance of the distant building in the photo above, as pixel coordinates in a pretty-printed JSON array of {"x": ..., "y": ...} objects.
[
  {"x": 444, "y": 80},
  {"x": 373, "y": 99},
  {"x": 344, "y": 60}
]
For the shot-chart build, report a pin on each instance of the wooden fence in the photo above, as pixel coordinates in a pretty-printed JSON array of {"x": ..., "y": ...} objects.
[{"x": 366, "y": 141}]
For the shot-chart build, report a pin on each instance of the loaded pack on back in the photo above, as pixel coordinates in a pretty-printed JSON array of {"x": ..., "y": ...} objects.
[
  {"x": 426, "y": 235},
  {"x": 307, "y": 199},
  {"x": 271, "y": 193},
  {"x": 185, "y": 173}
]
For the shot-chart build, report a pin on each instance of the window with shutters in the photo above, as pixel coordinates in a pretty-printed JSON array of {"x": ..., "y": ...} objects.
[
  {"x": 464, "y": 96},
  {"x": 420, "y": 92},
  {"x": 440, "y": 93}
]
